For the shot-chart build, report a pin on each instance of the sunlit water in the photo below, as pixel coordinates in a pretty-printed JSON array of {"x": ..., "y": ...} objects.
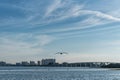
[{"x": 57, "y": 73}]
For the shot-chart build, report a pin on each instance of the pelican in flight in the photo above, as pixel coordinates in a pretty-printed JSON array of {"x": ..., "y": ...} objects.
[{"x": 61, "y": 53}]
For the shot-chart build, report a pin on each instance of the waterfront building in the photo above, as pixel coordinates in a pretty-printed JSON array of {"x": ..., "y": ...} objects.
[
  {"x": 48, "y": 61},
  {"x": 18, "y": 64},
  {"x": 24, "y": 63},
  {"x": 2, "y": 63},
  {"x": 32, "y": 63},
  {"x": 38, "y": 63}
]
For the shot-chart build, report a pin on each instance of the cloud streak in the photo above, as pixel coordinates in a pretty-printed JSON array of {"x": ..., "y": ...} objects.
[
  {"x": 56, "y": 4},
  {"x": 23, "y": 44},
  {"x": 54, "y": 12}
]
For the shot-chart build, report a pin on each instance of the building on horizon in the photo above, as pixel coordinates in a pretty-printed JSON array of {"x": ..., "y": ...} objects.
[
  {"x": 24, "y": 63},
  {"x": 2, "y": 63},
  {"x": 32, "y": 63},
  {"x": 18, "y": 64},
  {"x": 38, "y": 63},
  {"x": 48, "y": 61}
]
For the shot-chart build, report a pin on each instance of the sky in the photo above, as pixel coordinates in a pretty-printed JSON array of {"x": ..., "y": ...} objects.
[{"x": 88, "y": 30}]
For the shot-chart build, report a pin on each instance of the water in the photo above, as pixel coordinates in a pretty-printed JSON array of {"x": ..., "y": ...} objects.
[{"x": 57, "y": 73}]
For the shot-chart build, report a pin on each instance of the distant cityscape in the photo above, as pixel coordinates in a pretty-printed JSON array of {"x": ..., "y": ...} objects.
[{"x": 53, "y": 63}]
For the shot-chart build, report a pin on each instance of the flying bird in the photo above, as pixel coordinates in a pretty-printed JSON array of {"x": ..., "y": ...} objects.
[{"x": 61, "y": 53}]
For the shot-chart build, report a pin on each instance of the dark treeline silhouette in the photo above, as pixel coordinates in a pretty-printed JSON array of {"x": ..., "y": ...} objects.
[{"x": 112, "y": 65}]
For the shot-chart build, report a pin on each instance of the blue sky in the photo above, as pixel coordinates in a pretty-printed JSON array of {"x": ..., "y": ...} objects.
[{"x": 89, "y": 30}]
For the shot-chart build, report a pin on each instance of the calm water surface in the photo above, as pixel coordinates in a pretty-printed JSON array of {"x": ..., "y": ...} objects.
[{"x": 57, "y": 73}]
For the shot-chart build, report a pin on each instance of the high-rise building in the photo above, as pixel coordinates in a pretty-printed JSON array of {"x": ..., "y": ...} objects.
[
  {"x": 32, "y": 63},
  {"x": 38, "y": 63},
  {"x": 48, "y": 61}
]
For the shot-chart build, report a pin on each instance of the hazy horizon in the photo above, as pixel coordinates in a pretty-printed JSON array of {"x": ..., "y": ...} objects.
[{"x": 89, "y": 30}]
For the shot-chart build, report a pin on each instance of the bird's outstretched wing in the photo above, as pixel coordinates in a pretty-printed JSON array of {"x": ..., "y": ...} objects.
[{"x": 61, "y": 53}]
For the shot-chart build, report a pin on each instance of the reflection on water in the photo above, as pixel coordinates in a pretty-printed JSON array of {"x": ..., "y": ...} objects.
[{"x": 40, "y": 73}]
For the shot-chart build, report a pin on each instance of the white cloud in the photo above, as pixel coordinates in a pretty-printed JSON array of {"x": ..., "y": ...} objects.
[
  {"x": 74, "y": 10},
  {"x": 94, "y": 18},
  {"x": 44, "y": 39},
  {"x": 57, "y": 11},
  {"x": 101, "y": 15},
  {"x": 23, "y": 44},
  {"x": 56, "y": 4}
]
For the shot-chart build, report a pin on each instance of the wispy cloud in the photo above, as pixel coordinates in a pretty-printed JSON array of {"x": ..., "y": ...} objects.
[
  {"x": 75, "y": 12},
  {"x": 54, "y": 11},
  {"x": 70, "y": 15},
  {"x": 23, "y": 44},
  {"x": 56, "y": 4},
  {"x": 101, "y": 15}
]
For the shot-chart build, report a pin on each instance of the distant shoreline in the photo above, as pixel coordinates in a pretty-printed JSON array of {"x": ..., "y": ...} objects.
[
  {"x": 114, "y": 68},
  {"x": 60, "y": 67},
  {"x": 66, "y": 67}
]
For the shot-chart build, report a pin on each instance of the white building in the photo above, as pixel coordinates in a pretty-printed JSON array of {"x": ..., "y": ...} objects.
[{"x": 48, "y": 61}]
